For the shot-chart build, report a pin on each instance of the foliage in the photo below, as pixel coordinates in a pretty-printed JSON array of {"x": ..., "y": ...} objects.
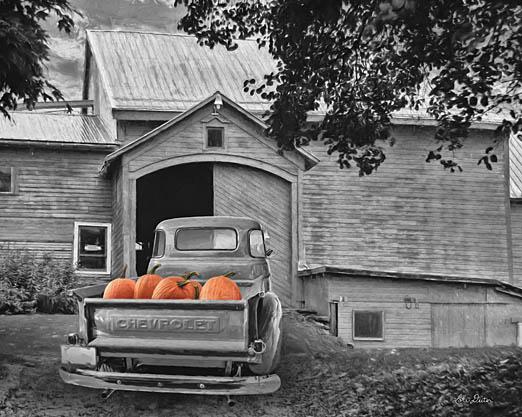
[
  {"x": 29, "y": 281},
  {"x": 412, "y": 382},
  {"x": 362, "y": 60},
  {"x": 24, "y": 50}
]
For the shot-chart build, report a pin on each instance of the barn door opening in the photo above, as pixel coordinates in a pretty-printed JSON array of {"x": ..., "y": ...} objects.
[{"x": 179, "y": 191}]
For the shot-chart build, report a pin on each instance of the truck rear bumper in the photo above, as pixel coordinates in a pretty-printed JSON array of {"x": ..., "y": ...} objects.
[{"x": 203, "y": 385}]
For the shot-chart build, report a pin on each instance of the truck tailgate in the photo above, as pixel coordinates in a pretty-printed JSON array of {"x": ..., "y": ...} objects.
[{"x": 165, "y": 326}]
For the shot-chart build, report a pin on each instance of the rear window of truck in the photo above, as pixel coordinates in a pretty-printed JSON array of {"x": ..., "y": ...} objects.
[{"x": 206, "y": 238}]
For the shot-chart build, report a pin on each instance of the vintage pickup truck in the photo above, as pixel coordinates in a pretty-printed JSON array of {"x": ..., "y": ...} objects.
[{"x": 184, "y": 346}]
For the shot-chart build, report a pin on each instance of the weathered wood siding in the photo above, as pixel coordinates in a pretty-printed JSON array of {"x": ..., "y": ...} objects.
[
  {"x": 459, "y": 325},
  {"x": 409, "y": 216},
  {"x": 187, "y": 138},
  {"x": 402, "y": 327},
  {"x": 129, "y": 130},
  {"x": 443, "y": 314},
  {"x": 97, "y": 93},
  {"x": 248, "y": 192},
  {"x": 55, "y": 189},
  {"x": 117, "y": 223},
  {"x": 516, "y": 236}
]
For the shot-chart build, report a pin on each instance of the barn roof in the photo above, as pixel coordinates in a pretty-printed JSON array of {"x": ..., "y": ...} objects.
[
  {"x": 27, "y": 126},
  {"x": 150, "y": 71},
  {"x": 171, "y": 72}
]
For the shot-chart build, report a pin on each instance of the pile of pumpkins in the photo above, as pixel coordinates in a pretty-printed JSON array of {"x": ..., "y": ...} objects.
[{"x": 153, "y": 286}]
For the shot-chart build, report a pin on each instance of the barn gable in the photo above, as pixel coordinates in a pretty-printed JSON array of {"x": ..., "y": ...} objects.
[{"x": 186, "y": 135}]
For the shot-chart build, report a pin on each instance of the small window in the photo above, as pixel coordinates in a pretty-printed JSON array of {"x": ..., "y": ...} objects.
[
  {"x": 206, "y": 239},
  {"x": 368, "y": 325},
  {"x": 257, "y": 244},
  {"x": 215, "y": 137},
  {"x": 6, "y": 180},
  {"x": 159, "y": 244},
  {"x": 92, "y": 247}
]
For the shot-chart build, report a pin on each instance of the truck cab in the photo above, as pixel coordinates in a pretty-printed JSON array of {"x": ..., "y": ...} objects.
[{"x": 185, "y": 346}]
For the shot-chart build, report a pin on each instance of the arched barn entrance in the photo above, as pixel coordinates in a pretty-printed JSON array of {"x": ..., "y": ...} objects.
[{"x": 220, "y": 189}]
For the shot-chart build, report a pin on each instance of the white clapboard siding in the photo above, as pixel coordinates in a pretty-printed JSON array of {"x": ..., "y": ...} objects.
[{"x": 244, "y": 191}]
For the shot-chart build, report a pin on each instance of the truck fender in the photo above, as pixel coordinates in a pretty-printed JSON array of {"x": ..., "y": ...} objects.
[{"x": 269, "y": 326}]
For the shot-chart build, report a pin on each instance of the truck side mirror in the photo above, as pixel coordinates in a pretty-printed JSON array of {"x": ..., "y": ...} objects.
[{"x": 268, "y": 252}]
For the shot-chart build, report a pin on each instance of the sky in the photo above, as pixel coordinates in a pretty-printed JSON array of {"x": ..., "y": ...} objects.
[{"x": 65, "y": 67}]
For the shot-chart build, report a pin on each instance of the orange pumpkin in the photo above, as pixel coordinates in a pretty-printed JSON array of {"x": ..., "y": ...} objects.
[
  {"x": 177, "y": 288},
  {"x": 221, "y": 288},
  {"x": 146, "y": 284},
  {"x": 119, "y": 288}
]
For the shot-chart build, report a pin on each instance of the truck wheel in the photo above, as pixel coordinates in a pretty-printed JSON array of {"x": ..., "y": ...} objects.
[{"x": 269, "y": 327}]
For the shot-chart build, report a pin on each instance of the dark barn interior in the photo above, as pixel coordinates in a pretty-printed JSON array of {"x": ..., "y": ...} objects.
[{"x": 179, "y": 191}]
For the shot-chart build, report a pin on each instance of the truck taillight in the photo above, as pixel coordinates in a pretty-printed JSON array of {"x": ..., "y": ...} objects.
[{"x": 73, "y": 339}]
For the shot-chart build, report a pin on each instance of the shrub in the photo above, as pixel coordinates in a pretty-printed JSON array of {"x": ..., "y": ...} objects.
[
  {"x": 451, "y": 386},
  {"x": 29, "y": 282}
]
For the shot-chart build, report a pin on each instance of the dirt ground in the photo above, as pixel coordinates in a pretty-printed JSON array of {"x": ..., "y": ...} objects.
[{"x": 30, "y": 385}]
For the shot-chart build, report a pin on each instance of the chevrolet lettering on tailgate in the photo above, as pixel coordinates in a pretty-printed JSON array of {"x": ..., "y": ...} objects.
[{"x": 168, "y": 324}]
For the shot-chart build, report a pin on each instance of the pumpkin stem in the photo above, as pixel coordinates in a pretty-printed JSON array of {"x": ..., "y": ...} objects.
[
  {"x": 189, "y": 275},
  {"x": 153, "y": 269},
  {"x": 124, "y": 271},
  {"x": 229, "y": 274},
  {"x": 196, "y": 292}
]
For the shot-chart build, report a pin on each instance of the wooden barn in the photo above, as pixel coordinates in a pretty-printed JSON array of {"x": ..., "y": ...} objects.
[{"x": 410, "y": 256}]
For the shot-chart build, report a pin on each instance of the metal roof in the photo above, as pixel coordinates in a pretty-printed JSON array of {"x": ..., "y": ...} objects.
[
  {"x": 152, "y": 71},
  {"x": 171, "y": 72},
  {"x": 347, "y": 272},
  {"x": 54, "y": 128},
  {"x": 515, "y": 167}
]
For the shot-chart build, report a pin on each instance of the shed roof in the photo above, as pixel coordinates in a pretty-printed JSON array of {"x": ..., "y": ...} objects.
[
  {"x": 171, "y": 72},
  {"x": 345, "y": 272},
  {"x": 27, "y": 126}
]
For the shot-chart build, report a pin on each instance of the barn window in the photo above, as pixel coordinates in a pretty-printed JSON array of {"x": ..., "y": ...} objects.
[
  {"x": 92, "y": 247},
  {"x": 215, "y": 137},
  {"x": 368, "y": 325},
  {"x": 6, "y": 180}
]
